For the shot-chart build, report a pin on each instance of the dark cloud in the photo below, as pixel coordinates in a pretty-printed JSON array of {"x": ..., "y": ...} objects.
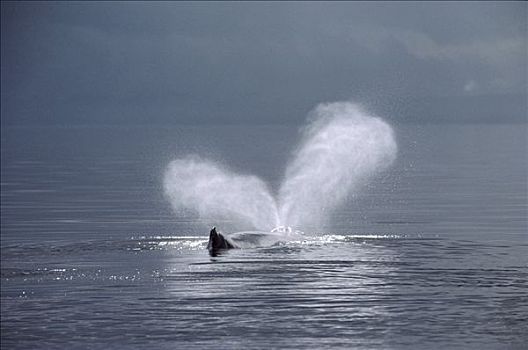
[{"x": 203, "y": 62}]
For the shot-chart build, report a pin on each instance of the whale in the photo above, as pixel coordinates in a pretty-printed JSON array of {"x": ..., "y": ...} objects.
[{"x": 218, "y": 243}]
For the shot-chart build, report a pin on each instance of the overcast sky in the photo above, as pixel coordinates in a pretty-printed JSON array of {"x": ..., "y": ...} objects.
[{"x": 257, "y": 62}]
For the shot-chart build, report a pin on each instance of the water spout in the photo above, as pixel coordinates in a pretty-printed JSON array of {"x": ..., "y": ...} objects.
[{"x": 342, "y": 147}]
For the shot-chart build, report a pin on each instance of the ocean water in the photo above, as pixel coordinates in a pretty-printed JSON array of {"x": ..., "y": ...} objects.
[{"x": 432, "y": 253}]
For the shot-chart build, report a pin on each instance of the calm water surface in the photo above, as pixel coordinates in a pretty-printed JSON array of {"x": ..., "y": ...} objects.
[{"x": 432, "y": 254}]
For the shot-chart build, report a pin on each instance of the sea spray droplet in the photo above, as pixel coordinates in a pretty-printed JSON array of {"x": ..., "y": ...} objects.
[
  {"x": 217, "y": 193},
  {"x": 341, "y": 148}
]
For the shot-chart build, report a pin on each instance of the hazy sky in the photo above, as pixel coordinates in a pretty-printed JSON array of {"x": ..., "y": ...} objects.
[{"x": 258, "y": 62}]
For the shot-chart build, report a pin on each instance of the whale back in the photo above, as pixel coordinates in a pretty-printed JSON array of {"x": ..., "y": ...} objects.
[{"x": 217, "y": 243}]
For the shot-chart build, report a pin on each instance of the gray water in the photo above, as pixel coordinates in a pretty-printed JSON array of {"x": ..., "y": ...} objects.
[{"x": 431, "y": 254}]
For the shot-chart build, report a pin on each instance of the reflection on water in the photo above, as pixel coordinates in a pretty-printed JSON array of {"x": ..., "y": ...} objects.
[{"x": 324, "y": 290}]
